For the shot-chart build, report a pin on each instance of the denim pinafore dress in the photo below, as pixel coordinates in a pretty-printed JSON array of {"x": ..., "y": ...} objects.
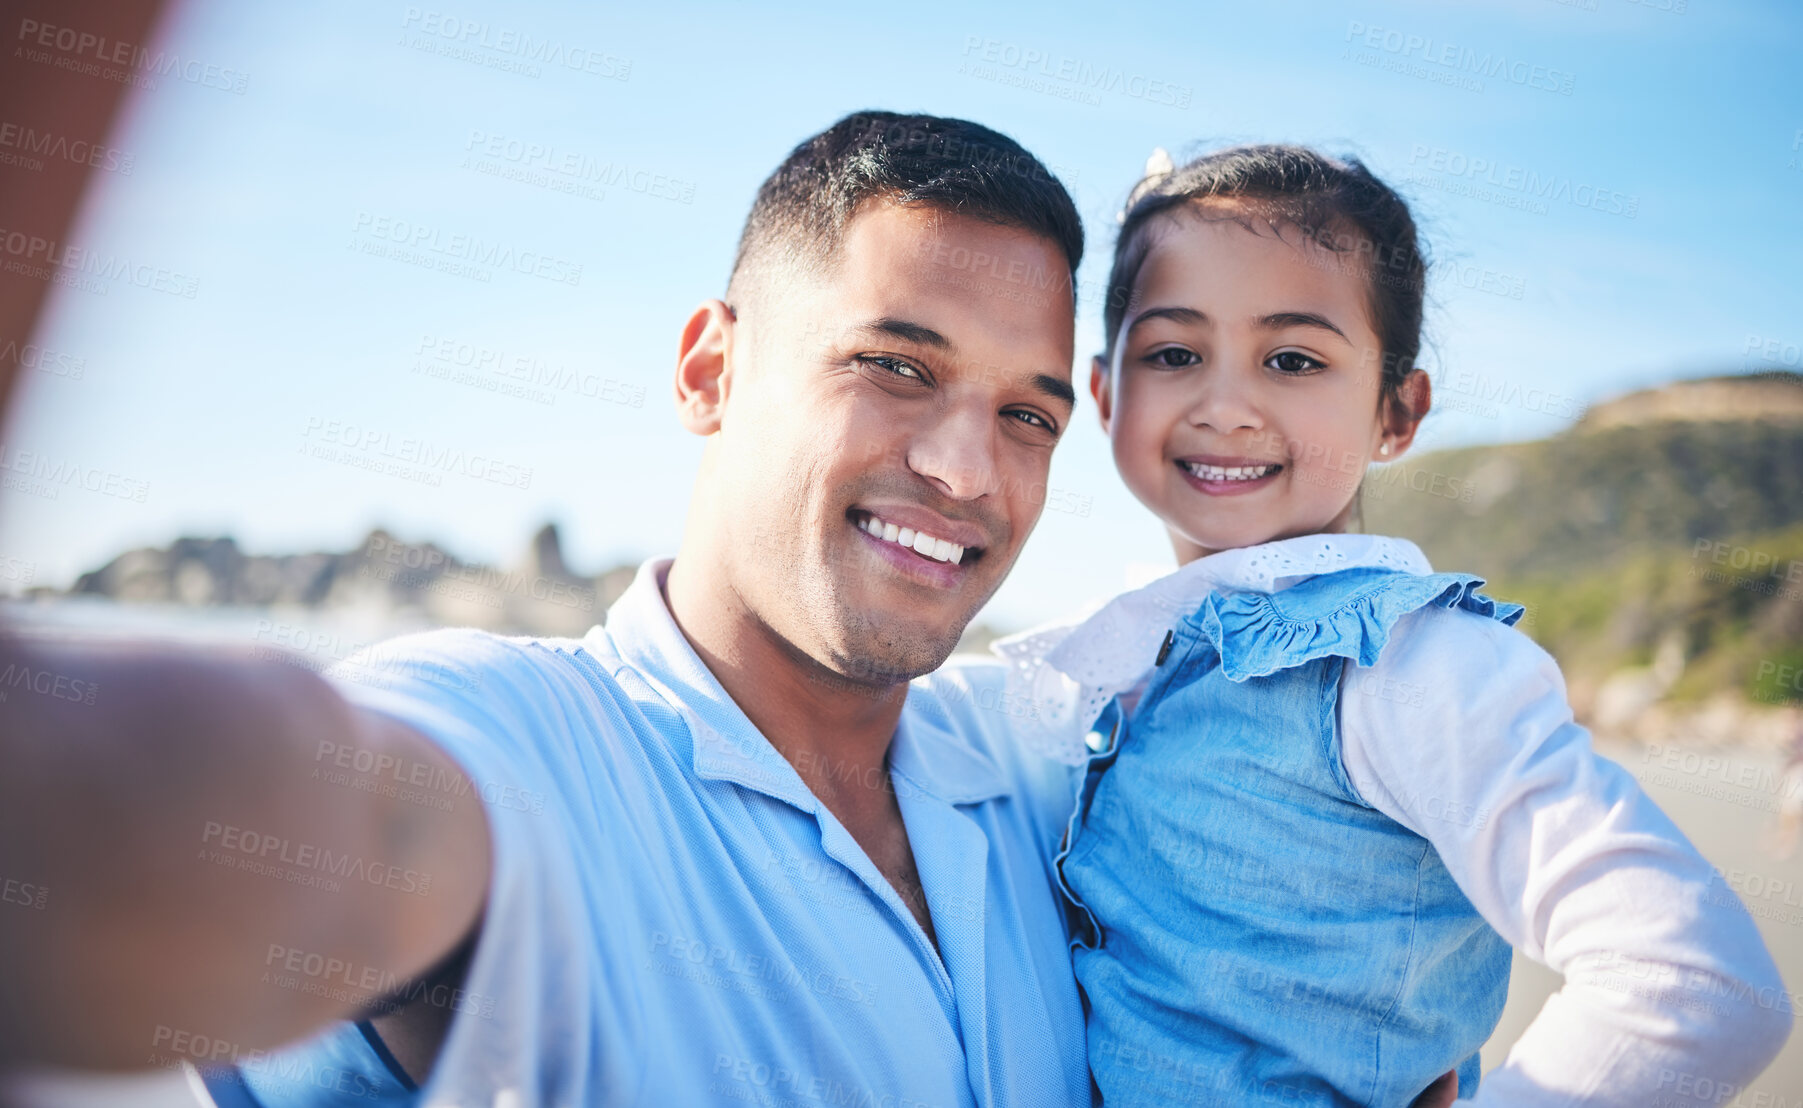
[{"x": 1248, "y": 929}]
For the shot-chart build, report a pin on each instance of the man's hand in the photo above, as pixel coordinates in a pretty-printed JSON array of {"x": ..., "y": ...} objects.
[
  {"x": 1440, "y": 1094},
  {"x": 202, "y": 877}
]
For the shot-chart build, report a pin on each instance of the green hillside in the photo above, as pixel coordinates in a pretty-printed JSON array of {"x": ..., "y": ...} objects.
[
  {"x": 1740, "y": 629},
  {"x": 1675, "y": 514}
]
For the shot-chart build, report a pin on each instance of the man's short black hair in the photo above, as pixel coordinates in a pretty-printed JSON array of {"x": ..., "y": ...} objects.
[{"x": 797, "y": 223}]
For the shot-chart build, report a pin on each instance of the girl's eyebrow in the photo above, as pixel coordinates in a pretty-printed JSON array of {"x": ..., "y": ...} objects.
[
  {"x": 1277, "y": 321},
  {"x": 1188, "y": 316}
]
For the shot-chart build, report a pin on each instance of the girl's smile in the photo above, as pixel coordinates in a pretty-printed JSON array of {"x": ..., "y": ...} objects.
[
  {"x": 1244, "y": 401},
  {"x": 1218, "y": 475}
]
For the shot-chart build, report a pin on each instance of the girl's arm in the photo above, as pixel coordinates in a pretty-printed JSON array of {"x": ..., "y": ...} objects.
[{"x": 1462, "y": 733}]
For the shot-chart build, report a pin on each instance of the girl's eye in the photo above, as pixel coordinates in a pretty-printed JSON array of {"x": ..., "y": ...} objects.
[
  {"x": 894, "y": 366},
  {"x": 1293, "y": 362},
  {"x": 1173, "y": 357}
]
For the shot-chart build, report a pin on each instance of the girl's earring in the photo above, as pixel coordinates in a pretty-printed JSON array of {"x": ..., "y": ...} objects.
[{"x": 1384, "y": 449}]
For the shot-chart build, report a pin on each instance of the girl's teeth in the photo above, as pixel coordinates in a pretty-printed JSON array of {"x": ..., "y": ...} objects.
[
  {"x": 918, "y": 541},
  {"x": 1227, "y": 473}
]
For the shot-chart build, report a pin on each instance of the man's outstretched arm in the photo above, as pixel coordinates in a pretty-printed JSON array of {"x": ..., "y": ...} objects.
[{"x": 183, "y": 868}]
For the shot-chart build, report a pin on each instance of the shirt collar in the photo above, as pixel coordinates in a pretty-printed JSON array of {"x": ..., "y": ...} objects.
[
  {"x": 929, "y": 752},
  {"x": 1274, "y": 566},
  {"x": 728, "y": 746},
  {"x": 1141, "y": 617},
  {"x": 1267, "y": 567},
  {"x": 1074, "y": 667}
]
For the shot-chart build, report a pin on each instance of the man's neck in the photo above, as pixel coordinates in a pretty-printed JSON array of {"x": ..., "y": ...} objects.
[{"x": 835, "y": 731}]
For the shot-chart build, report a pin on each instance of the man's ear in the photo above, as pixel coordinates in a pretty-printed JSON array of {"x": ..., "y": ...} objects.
[
  {"x": 704, "y": 367},
  {"x": 1402, "y": 416},
  {"x": 1099, "y": 383}
]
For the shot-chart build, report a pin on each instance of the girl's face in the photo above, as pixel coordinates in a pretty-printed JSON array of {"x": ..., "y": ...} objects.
[{"x": 1243, "y": 400}]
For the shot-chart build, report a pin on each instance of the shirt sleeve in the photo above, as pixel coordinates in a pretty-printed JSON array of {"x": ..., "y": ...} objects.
[
  {"x": 1462, "y": 733},
  {"x": 509, "y": 712}
]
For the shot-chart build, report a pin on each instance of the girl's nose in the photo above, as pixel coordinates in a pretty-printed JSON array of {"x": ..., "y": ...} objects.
[{"x": 1225, "y": 401}]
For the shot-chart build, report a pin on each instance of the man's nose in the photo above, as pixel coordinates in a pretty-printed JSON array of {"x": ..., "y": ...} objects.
[{"x": 956, "y": 452}]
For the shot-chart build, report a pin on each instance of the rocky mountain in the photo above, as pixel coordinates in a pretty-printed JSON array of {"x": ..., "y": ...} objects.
[{"x": 537, "y": 595}]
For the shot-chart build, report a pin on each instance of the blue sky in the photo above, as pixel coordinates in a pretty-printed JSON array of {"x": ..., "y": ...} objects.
[{"x": 1611, "y": 190}]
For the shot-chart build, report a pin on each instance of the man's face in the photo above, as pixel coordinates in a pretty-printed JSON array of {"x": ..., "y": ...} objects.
[{"x": 885, "y": 437}]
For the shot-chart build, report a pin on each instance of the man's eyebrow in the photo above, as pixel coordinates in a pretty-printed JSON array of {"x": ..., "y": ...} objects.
[
  {"x": 917, "y": 333},
  {"x": 922, "y": 335},
  {"x": 1055, "y": 387},
  {"x": 1188, "y": 316},
  {"x": 1278, "y": 320}
]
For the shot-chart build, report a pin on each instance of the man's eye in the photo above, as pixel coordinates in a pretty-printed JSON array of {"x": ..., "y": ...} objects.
[
  {"x": 895, "y": 366},
  {"x": 1173, "y": 357},
  {"x": 1293, "y": 362},
  {"x": 1031, "y": 419}
]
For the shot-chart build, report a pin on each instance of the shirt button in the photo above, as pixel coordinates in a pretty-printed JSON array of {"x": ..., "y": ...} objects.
[{"x": 1096, "y": 741}]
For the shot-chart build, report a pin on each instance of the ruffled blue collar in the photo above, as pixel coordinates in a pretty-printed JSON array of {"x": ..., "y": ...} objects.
[{"x": 1070, "y": 669}]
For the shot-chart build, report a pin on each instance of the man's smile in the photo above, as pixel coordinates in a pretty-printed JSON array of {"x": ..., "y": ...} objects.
[
  {"x": 926, "y": 547},
  {"x": 921, "y": 542}
]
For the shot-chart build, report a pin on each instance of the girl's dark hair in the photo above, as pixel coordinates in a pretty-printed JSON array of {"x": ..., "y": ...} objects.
[{"x": 1338, "y": 205}]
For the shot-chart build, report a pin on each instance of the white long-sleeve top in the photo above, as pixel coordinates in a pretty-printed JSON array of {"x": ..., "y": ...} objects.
[{"x": 1461, "y": 732}]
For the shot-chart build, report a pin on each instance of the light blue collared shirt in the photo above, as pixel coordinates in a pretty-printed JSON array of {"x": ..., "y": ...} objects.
[{"x": 675, "y": 919}]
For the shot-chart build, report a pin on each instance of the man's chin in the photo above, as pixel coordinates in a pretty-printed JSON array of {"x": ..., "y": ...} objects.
[
  {"x": 890, "y": 663},
  {"x": 889, "y": 635}
]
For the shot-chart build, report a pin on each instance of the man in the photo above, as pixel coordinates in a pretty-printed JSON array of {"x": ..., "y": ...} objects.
[{"x": 722, "y": 851}]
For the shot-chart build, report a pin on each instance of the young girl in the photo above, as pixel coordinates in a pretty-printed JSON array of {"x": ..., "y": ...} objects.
[{"x": 1331, "y": 787}]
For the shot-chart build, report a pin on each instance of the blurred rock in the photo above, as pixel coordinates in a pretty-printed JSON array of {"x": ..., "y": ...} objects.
[{"x": 385, "y": 575}]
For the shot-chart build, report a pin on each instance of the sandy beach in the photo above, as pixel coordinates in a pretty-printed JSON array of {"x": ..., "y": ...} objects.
[{"x": 1725, "y": 800}]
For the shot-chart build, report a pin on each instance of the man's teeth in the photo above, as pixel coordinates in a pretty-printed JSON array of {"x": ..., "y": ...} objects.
[
  {"x": 1228, "y": 473},
  {"x": 919, "y": 541}
]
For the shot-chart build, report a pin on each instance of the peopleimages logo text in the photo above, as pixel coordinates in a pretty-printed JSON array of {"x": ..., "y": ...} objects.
[
  {"x": 49, "y": 144},
  {"x": 110, "y": 58},
  {"x": 1527, "y": 182},
  {"x": 37, "y": 256},
  {"x": 1075, "y": 72},
  {"x": 410, "y": 451},
  {"x": 1464, "y": 60},
  {"x": 468, "y": 248},
  {"x": 516, "y": 44}
]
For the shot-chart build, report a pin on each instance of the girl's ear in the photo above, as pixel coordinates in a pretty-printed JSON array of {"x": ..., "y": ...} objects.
[
  {"x": 1402, "y": 415},
  {"x": 1099, "y": 383},
  {"x": 704, "y": 367}
]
